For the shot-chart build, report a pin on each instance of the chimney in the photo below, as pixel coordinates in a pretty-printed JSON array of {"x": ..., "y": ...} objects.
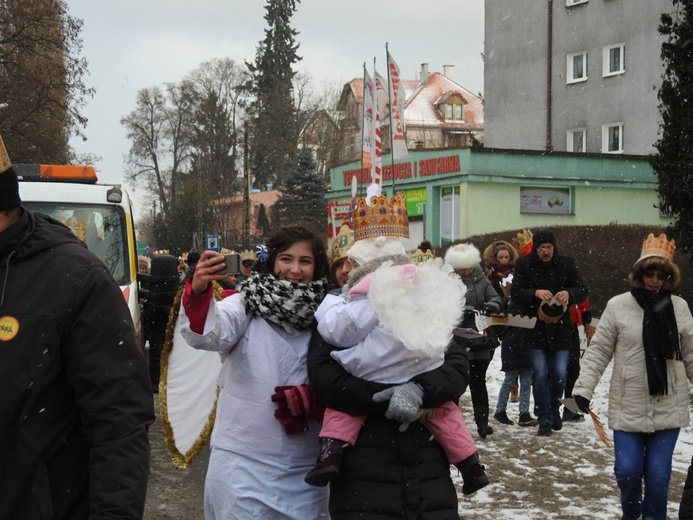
[
  {"x": 447, "y": 71},
  {"x": 424, "y": 73}
]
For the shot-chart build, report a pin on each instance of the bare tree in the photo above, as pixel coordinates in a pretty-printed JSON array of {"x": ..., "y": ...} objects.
[
  {"x": 41, "y": 87},
  {"x": 160, "y": 130}
]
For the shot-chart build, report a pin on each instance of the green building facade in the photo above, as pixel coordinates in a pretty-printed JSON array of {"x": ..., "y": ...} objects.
[{"x": 455, "y": 194}]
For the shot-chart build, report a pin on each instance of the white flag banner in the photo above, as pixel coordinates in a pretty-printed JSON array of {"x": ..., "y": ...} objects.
[
  {"x": 376, "y": 170},
  {"x": 368, "y": 127},
  {"x": 397, "y": 100},
  {"x": 381, "y": 92}
]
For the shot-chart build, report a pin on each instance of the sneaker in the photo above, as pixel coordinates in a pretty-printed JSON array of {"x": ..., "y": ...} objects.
[
  {"x": 324, "y": 471},
  {"x": 484, "y": 431},
  {"x": 557, "y": 423},
  {"x": 502, "y": 417},
  {"x": 544, "y": 430},
  {"x": 526, "y": 420},
  {"x": 569, "y": 416},
  {"x": 474, "y": 479}
]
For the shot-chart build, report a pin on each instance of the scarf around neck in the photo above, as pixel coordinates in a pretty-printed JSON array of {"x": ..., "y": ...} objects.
[
  {"x": 291, "y": 305},
  {"x": 499, "y": 271},
  {"x": 660, "y": 335}
]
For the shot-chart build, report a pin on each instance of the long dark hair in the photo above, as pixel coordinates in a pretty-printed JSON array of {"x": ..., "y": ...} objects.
[{"x": 287, "y": 236}]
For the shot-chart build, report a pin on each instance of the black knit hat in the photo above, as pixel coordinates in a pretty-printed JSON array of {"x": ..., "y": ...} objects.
[{"x": 9, "y": 190}]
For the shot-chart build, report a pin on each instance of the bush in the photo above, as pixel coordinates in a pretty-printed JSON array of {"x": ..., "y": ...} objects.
[{"x": 604, "y": 255}]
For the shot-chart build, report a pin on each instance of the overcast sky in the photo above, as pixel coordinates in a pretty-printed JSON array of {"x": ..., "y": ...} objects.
[{"x": 134, "y": 44}]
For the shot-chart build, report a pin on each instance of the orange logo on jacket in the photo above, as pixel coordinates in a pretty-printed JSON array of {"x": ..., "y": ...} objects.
[{"x": 9, "y": 327}]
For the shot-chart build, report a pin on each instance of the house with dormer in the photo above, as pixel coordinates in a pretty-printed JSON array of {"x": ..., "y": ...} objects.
[{"x": 438, "y": 114}]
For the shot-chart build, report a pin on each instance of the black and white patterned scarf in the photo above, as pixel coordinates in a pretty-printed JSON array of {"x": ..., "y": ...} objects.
[{"x": 291, "y": 305}]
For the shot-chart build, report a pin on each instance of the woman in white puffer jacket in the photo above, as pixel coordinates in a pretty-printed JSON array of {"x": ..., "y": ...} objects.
[{"x": 648, "y": 333}]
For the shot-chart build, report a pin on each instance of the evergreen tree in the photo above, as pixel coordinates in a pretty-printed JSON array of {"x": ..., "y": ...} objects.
[
  {"x": 303, "y": 196},
  {"x": 673, "y": 165},
  {"x": 274, "y": 134}
]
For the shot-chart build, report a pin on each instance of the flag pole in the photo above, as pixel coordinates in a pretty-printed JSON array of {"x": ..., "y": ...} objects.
[{"x": 392, "y": 133}]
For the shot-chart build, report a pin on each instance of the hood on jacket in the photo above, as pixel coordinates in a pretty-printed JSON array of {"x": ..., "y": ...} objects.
[
  {"x": 462, "y": 256},
  {"x": 655, "y": 262},
  {"x": 358, "y": 273},
  {"x": 489, "y": 256}
]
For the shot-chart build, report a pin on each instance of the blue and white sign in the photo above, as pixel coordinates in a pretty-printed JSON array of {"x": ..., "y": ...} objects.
[{"x": 212, "y": 242}]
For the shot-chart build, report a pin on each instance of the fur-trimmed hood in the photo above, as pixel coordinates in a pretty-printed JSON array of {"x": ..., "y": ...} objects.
[
  {"x": 655, "y": 262},
  {"x": 462, "y": 256},
  {"x": 489, "y": 256},
  {"x": 358, "y": 273},
  {"x": 367, "y": 249}
]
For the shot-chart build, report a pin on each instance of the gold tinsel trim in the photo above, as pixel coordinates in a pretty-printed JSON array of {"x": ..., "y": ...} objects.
[{"x": 182, "y": 460}]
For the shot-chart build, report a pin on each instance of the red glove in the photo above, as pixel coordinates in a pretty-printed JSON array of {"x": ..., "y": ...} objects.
[
  {"x": 299, "y": 400},
  {"x": 292, "y": 425}
]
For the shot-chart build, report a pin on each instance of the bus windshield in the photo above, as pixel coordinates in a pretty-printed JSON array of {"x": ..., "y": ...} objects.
[{"x": 101, "y": 227}]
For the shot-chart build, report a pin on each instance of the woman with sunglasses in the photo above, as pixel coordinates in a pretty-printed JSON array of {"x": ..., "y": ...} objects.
[{"x": 648, "y": 332}]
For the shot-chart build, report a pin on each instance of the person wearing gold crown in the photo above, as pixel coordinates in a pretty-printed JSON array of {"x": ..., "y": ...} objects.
[
  {"x": 395, "y": 323},
  {"x": 74, "y": 391},
  {"x": 341, "y": 265},
  {"x": 648, "y": 334}
]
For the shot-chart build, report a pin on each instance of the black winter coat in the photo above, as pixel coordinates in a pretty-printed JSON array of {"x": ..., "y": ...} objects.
[
  {"x": 74, "y": 390},
  {"x": 389, "y": 474},
  {"x": 686, "y": 506},
  {"x": 559, "y": 274}
]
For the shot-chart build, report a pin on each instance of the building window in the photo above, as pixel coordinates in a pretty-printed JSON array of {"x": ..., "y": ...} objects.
[
  {"x": 576, "y": 67},
  {"x": 612, "y": 138},
  {"x": 569, "y": 3},
  {"x": 576, "y": 140},
  {"x": 614, "y": 59},
  {"x": 453, "y": 112}
]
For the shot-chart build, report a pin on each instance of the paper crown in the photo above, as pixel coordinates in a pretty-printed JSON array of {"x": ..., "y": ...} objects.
[
  {"x": 379, "y": 217},
  {"x": 419, "y": 257},
  {"x": 248, "y": 255},
  {"x": 341, "y": 243},
  {"x": 523, "y": 242},
  {"x": 658, "y": 246},
  {"x": 5, "y": 163}
]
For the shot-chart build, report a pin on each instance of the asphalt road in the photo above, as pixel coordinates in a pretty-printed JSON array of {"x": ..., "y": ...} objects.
[{"x": 173, "y": 493}]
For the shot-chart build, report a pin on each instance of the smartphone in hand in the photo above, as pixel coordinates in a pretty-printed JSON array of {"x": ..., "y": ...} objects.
[{"x": 233, "y": 264}]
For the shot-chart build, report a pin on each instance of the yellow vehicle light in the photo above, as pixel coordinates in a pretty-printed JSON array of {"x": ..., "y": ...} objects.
[{"x": 59, "y": 172}]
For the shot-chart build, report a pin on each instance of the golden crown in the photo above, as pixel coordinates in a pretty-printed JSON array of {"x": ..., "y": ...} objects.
[
  {"x": 5, "y": 163},
  {"x": 381, "y": 218},
  {"x": 419, "y": 257},
  {"x": 523, "y": 241},
  {"x": 341, "y": 243},
  {"x": 658, "y": 246},
  {"x": 248, "y": 255}
]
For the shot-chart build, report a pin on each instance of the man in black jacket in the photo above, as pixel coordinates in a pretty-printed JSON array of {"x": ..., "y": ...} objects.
[
  {"x": 74, "y": 391},
  {"x": 545, "y": 283}
]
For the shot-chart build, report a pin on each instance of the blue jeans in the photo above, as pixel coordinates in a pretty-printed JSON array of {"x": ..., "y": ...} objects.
[
  {"x": 511, "y": 377},
  {"x": 548, "y": 381},
  {"x": 645, "y": 455}
]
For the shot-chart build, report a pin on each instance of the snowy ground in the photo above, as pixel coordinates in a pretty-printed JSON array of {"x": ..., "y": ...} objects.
[{"x": 567, "y": 475}]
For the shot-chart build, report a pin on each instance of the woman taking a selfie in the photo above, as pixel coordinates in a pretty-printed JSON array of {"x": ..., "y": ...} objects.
[{"x": 261, "y": 452}]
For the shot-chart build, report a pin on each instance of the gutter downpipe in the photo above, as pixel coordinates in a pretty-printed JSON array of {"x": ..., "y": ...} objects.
[{"x": 549, "y": 74}]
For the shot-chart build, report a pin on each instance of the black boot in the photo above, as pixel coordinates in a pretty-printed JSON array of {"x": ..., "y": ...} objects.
[
  {"x": 473, "y": 474},
  {"x": 484, "y": 429},
  {"x": 502, "y": 417},
  {"x": 327, "y": 468}
]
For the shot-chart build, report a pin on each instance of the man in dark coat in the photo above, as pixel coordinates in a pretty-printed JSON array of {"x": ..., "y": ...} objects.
[
  {"x": 389, "y": 474},
  {"x": 545, "y": 283},
  {"x": 74, "y": 392}
]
